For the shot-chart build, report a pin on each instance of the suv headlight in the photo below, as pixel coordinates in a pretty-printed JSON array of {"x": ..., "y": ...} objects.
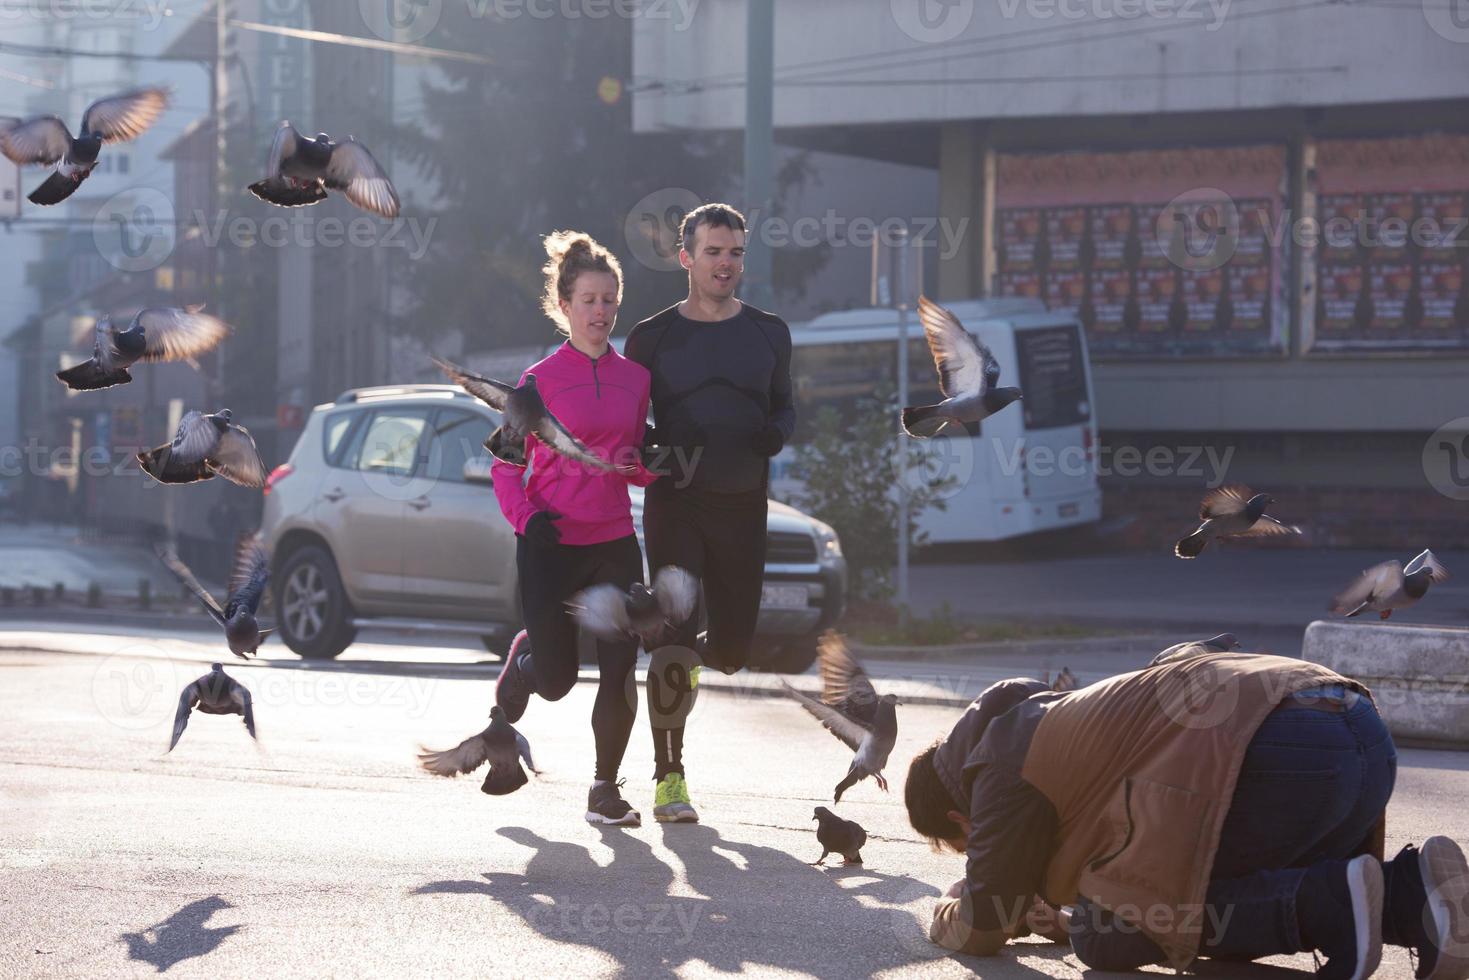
[{"x": 828, "y": 545}]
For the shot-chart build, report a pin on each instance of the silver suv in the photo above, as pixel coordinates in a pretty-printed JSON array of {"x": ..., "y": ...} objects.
[{"x": 384, "y": 516}]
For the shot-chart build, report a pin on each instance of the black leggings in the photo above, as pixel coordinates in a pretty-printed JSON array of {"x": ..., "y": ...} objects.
[
  {"x": 720, "y": 539},
  {"x": 551, "y": 574}
]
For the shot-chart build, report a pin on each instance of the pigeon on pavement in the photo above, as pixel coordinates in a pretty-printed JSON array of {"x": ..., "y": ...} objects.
[
  {"x": 968, "y": 374},
  {"x": 1233, "y": 511},
  {"x": 216, "y": 693},
  {"x": 851, "y": 709},
  {"x": 203, "y": 447},
  {"x": 1065, "y": 680},
  {"x": 525, "y": 414},
  {"x": 500, "y": 745},
  {"x": 45, "y": 140},
  {"x": 844, "y": 837},
  {"x": 300, "y": 170},
  {"x": 1389, "y": 585},
  {"x": 160, "y": 334},
  {"x": 642, "y": 611},
  {"x": 246, "y": 590}
]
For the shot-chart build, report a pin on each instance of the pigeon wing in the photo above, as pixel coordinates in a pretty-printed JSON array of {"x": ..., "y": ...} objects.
[
  {"x": 240, "y": 695},
  {"x": 353, "y": 171},
  {"x": 44, "y": 139},
  {"x": 1381, "y": 579},
  {"x": 522, "y": 748},
  {"x": 182, "y": 572},
  {"x": 602, "y": 610},
  {"x": 1427, "y": 559},
  {"x": 187, "y": 699},
  {"x": 493, "y": 393},
  {"x": 180, "y": 335},
  {"x": 1268, "y": 526},
  {"x": 842, "y": 678},
  {"x": 677, "y": 592},
  {"x": 1224, "y": 501},
  {"x": 467, "y": 756},
  {"x": 236, "y": 458},
  {"x": 282, "y": 148},
  {"x": 558, "y": 437},
  {"x": 849, "y": 731},
  {"x": 125, "y": 116},
  {"x": 195, "y": 439},
  {"x": 965, "y": 366},
  {"x": 250, "y": 574}
]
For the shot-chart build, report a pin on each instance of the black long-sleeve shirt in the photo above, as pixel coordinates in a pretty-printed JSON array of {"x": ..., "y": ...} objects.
[{"x": 715, "y": 386}]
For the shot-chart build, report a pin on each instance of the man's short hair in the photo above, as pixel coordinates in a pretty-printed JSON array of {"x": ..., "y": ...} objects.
[
  {"x": 928, "y": 800},
  {"x": 708, "y": 216}
]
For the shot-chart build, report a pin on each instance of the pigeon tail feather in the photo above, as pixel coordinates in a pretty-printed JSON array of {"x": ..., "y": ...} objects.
[
  {"x": 924, "y": 421},
  {"x": 54, "y": 190},
  {"x": 1191, "y": 546}
]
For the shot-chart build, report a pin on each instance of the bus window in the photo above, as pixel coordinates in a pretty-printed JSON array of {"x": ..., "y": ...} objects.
[
  {"x": 840, "y": 376},
  {"x": 1053, "y": 377}
]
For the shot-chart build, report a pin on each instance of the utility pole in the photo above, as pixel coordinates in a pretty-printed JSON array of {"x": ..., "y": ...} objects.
[
  {"x": 758, "y": 289},
  {"x": 902, "y": 445}
]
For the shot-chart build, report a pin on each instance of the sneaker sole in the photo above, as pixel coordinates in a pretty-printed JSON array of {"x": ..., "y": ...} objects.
[
  {"x": 1446, "y": 876},
  {"x": 1364, "y": 880},
  {"x": 631, "y": 819},
  {"x": 687, "y": 816},
  {"x": 510, "y": 656}
]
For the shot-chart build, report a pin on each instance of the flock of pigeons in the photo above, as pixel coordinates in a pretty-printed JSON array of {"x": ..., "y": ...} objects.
[{"x": 299, "y": 172}]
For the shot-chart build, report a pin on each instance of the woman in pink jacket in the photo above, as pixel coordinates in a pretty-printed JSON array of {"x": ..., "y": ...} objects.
[{"x": 573, "y": 523}]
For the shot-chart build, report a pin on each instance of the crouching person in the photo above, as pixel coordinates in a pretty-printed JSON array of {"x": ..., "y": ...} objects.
[{"x": 1224, "y": 805}]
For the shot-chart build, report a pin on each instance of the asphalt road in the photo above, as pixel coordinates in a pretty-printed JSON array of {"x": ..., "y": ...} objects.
[{"x": 323, "y": 851}]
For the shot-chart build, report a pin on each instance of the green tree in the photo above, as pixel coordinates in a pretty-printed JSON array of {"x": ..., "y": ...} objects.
[{"x": 852, "y": 470}]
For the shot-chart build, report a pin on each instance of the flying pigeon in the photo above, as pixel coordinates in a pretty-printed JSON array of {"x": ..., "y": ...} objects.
[
  {"x": 1223, "y": 643},
  {"x": 1389, "y": 585},
  {"x": 968, "y": 373},
  {"x": 216, "y": 693},
  {"x": 500, "y": 745},
  {"x": 203, "y": 447},
  {"x": 845, "y": 837},
  {"x": 46, "y": 140},
  {"x": 160, "y": 334},
  {"x": 525, "y": 414},
  {"x": 641, "y": 611},
  {"x": 246, "y": 590},
  {"x": 300, "y": 170},
  {"x": 1233, "y": 511},
  {"x": 852, "y": 711}
]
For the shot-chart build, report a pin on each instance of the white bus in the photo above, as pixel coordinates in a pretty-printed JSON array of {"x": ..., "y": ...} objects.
[{"x": 1028, "y": 468}]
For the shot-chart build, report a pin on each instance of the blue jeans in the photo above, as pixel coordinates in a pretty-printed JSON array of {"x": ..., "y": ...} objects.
[{"x": 1313, "y": 786}]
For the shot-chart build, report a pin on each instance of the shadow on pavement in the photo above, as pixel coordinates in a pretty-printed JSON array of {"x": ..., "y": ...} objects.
[{"x": 181, "y": 936}]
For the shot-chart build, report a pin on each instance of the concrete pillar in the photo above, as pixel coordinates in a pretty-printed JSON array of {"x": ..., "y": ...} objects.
[{"x": 966, "y": 194}]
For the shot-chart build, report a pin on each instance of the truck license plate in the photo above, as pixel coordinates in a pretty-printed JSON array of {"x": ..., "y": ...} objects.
[
  {"x": 784, "y": 596},
  {"x": 1068, "y": 510}
]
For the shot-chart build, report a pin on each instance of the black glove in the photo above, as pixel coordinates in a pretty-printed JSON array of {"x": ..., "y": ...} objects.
[
  {"x": 768, "y": 441},
  {"x": 540, "y": 529}
]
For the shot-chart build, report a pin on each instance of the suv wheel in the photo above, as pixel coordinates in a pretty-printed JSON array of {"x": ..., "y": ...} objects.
[
  {"x": 788, "y": 655},
  {"x": 314, "y": 616}
]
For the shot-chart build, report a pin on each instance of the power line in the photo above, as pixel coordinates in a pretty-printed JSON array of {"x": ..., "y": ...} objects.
[{"x": 1047, "y": 79}]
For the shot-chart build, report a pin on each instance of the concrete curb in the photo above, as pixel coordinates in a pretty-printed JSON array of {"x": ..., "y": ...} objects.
[{"x": 1419, "y": 675}]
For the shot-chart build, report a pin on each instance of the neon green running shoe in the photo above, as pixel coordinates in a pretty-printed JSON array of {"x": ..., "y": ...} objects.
[{"x": 671, "y": 801}]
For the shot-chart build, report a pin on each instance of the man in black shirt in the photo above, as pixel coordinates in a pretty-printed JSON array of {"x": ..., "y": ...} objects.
[{"x": 721, "y": 401}]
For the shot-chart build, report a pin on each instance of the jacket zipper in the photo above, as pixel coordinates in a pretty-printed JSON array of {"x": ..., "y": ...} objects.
[{"x": 597, "y": 380}]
